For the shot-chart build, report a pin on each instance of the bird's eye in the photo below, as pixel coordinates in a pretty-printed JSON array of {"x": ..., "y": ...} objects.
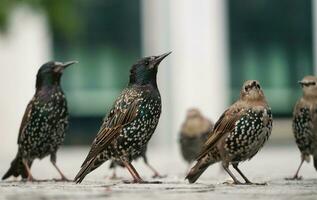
[
  {"x": 246, "y": 88},
  {"x": 147, "y": 63},
  {"x": 313, "y": 83}
]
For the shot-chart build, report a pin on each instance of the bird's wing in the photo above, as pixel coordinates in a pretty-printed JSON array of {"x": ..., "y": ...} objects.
[
  {"x": 225, "y": 124},
  {"x": 112, "y": 126},
  {"x": 25, "y": 119}
]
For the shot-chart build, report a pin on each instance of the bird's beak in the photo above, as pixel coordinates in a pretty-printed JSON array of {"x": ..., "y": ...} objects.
[
  {"x": 66, "y": 64},
  {"x": 158, "y": 59},
  {"x": 60, "y": 67},
  {"x": 301, "y": 83}
]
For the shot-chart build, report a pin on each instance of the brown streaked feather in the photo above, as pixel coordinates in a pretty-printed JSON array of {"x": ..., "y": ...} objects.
[
  {"x": 25, "y": 119},
  {"x": 111, "y": 128},
  {"x": 225, "y": 124}
]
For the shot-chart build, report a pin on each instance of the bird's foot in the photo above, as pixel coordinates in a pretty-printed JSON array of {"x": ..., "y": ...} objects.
[
  {"x": 156, "y": 175},
  {"x": 63, "y": 179},
  {"x": 142, "y": 182},
  {"x": 251, "y": 183},
  {"x": 114, "y": 177},
  {"x": 240, "y": 183},
  {"x": 30, "y": 179},
  {"x": 233, "y": 182},
  {"x": 297, "y": 178}
]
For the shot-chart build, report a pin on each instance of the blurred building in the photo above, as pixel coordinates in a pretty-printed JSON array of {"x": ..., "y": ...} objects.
[
  {"x": 24, "y": 46},
  {"x": 216, "y": 46}
]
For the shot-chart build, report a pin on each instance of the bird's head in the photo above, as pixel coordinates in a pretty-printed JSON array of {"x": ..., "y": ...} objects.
[
  {"x": 309, "y": 85},
  {"x": 251, "y": 91},
  {"x": 50, "y": 73},
  {"x": 193, "y": 113},
  {"x": 145, "y": 70}
]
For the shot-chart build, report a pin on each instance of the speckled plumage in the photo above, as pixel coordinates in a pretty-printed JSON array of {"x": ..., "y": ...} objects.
[
  {"x": 48, "y": 121},
  {"x": 45, "y": 122},
  {"x": 305, "y": 122},
  {"x": 131, "y": 122},
  {"x": 193, "y": 134},
  {"x": 238, "y": 135},
  {"x": 146, "y": 103}
]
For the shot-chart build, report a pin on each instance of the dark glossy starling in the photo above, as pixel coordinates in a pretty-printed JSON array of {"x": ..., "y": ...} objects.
[
  {"x": 305, "y": 122},
  {"x": 193, "y": 134},
  {"x": 44, "y": 123},
  {"x": 238, "y": 135},
  {"x": 114, "y": 164},
  {"x": 131, "y": 122}
]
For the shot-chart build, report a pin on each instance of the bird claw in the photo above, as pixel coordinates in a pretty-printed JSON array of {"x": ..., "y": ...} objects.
[
  {"x": 250, "y": 183},
  {"x": 232, "y": 183},
  {"x": 142, "y": 182},
  {"x": 159, "y": 176},
  {"x": 29, "y": 179},
  {"x": 63, "y": 179},
  {"x": 115, "y": 177},
  {"x": 297, "y": 178},
  {"x": 240, "y": 183}
]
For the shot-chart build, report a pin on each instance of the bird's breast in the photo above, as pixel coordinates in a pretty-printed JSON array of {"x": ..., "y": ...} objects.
[{"x": 250, "y": 133}]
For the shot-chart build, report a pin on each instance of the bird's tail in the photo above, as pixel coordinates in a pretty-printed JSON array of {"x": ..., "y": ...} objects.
[
  {"x": 88, "y": 167},
  {"x": 199, "y": 168},
  {"x": 17, "y": 168}
]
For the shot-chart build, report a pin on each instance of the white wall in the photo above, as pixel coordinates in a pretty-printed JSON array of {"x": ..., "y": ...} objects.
[
  {"x": 196, "y": 73},
  {"x": 24, "y": 46},
  {"x": 155, "y": 41}
]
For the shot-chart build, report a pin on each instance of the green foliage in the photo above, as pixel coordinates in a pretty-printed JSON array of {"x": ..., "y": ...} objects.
[
  {"x": 62, "y": 14},
  {"x": 5, "y": 8}
]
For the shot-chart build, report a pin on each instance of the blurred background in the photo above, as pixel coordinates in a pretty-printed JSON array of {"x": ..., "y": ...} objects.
[{"x": 216, "y": 45}]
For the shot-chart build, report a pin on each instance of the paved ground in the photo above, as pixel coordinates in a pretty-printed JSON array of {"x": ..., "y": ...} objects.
[{"x": 271, "y": 165}]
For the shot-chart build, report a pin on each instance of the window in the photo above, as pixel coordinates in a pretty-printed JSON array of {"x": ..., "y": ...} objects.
[
  {"x": 271, "y": 41},
  {"x": 106, "y": 45}
]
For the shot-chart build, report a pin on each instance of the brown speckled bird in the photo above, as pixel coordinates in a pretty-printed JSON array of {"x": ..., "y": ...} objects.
[
  {"x": 305, "y": 122},
  {"x": 193, "y": 134},
  {"x": 238, "y": 135}
]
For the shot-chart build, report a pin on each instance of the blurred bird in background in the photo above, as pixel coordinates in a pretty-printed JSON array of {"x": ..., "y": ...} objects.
[
  {"x": 305, "y": 122},
  {"x": 193, "y": 134},
  {"x": 44, "y": 123},
  {"x": 238, "y": 135},
  {"x": 131, "y": 122}
]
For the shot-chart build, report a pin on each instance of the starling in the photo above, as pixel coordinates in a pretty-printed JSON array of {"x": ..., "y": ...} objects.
[
  {"x": 131, "y": 122},
  {"x": 114, "y": 164},
  {"x": 44, "y": 123},
  {"x": 193, "y": 134},
  {"x": 305, "y": 122},
  {"x": 238, "y": 135}
]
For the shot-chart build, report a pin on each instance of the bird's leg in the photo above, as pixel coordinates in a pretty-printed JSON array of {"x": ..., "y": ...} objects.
[
  {"x": 53, "y": 161},
  {"x": 156, "y": 174},
  {"x": 26, "y": 165},
  {"x": 235, "y": 180},
  {"x": 133, "y": 172},
  {"x": 296, "y": 177},
  {"x": 114, "y": 175},
  {"x": 247, "y": 181},
  {"x": 136, "y": 176}
]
